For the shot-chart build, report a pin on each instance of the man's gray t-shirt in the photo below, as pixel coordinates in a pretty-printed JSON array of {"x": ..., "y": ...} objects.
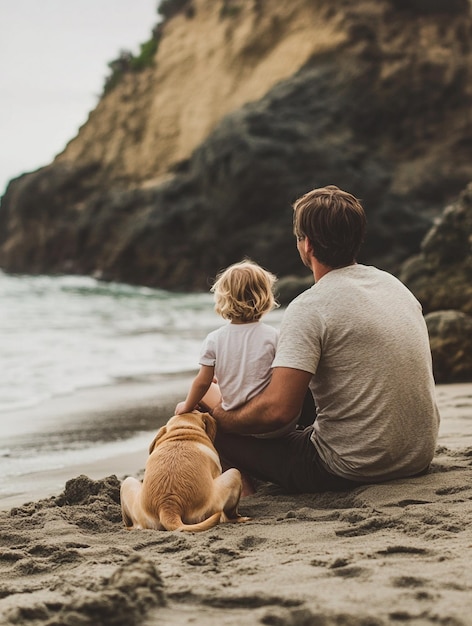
[{"x": 362, "y": 335}]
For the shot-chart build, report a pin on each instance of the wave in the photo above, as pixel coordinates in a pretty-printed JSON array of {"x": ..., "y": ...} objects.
[{"x": 60, "y": 334}]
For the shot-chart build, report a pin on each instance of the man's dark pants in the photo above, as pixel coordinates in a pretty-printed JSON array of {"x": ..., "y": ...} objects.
[{"x": 291, "y": 461}]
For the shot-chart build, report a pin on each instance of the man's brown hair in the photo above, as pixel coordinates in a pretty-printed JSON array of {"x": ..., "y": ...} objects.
[{"x": 334, "y": 223}]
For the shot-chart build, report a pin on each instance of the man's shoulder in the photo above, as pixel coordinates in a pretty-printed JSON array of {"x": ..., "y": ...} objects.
[
  {"x": 305, "y": 301},
  {"x": 307, "y": 309},
  {"x": 308, "y": 294}
]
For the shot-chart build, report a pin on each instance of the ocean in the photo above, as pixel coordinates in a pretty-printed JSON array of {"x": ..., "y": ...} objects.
[{"x": 62, "y": 336}]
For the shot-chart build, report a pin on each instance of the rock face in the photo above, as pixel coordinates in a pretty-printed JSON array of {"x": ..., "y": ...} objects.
[
  {"x": 193, "y": 164},
  {"x": 450, "y": 335},
  {"x": 211, "y": 61},
  {"x": 441, "y": 278}
]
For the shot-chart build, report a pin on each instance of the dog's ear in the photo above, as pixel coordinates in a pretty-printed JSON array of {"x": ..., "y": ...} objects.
[
  {"x": 209, "y": 423},
  {"x": 160, "y": 433}
]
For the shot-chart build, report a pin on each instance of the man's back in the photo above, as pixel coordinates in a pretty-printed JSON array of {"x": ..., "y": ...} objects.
[{"x": 363, "y": 334}]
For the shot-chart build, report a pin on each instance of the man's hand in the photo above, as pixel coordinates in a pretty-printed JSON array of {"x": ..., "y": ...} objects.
[{"x": 275, "y": 407}]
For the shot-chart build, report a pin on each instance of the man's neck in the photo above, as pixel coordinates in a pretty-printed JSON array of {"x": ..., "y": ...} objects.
[{"x": 320, "y": 270}]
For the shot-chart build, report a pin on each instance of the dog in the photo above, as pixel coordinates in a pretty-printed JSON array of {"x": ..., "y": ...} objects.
[{"x": 184, "y": 487}]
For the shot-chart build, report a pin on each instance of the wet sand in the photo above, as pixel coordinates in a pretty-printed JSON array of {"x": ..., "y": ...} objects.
[
  {"x": 97, "y": 431},
  {"x": 382, "y": 554}
]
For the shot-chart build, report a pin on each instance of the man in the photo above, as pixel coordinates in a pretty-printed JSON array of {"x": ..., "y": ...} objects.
[{"x": 357, "y": 339}]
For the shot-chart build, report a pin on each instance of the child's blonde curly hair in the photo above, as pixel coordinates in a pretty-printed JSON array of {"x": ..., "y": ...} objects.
[{"x": 244, "y": 292}]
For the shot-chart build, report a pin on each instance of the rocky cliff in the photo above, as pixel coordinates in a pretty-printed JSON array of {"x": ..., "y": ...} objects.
[
  {"x": 193, "y": 163},
  {"x": 441, "y": 278}
]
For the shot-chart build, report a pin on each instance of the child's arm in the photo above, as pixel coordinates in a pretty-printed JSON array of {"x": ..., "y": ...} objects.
[
  {"x": 211, "y": 398},
  {"x": 198, "y": 389}
]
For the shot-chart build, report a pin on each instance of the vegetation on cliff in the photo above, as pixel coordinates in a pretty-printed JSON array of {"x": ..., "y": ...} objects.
[{"x": 128, "y": 62}]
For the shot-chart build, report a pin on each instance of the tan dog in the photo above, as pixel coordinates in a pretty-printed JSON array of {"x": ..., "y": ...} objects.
[{"x": 183, "y": 487}]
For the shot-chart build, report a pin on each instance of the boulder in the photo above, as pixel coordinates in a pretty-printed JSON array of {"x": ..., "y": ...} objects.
[
  {"x": 441, "y": 278},
  {"x": 450, "y": 335},
  {"x": 441, "y": 275}
]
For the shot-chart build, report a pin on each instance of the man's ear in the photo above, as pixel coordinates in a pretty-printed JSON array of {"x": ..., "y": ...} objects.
[
  {"x": 308, "y": 247},
  {"x": 160, "y": 433},
  {"x": 209, "y": 423}
]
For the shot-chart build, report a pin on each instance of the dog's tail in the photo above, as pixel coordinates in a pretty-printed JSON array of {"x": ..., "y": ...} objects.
[{"x": 172, "y": 521}]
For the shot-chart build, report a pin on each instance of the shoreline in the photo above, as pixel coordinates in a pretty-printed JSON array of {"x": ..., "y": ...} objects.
[{"x": 123, "y": 417}]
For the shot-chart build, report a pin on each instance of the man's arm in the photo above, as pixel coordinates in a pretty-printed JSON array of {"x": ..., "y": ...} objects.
[{"x": 275, "y": 407}]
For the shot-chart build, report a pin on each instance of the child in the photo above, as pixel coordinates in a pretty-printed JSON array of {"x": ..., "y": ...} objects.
[{"x": 239, "y": 354}]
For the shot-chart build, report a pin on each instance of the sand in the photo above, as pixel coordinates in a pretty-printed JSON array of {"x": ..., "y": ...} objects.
[{"x": 396, "y": 553}]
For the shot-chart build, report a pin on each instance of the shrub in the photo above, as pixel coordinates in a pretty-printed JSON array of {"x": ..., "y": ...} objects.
[{"x": 127, "y": 62}]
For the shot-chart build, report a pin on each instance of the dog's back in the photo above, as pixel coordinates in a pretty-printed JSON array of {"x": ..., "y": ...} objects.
[
  {"x": 184, "y": 487},
  {"x": 177, "y": 483}
]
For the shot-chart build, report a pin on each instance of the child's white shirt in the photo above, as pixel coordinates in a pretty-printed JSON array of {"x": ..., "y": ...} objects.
[{"x": 242, "y": 355}]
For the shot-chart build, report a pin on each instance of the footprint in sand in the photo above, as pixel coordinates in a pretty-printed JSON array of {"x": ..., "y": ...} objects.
[
  {"x": 55, "y": 554},
  {"x": 444, "y": 491},
  {"x": 250, "y": 541},
  {"x": 199, "y": 559},
  {"x": 409, "y": 582},
  {"x": 369, "y": 525},
  {"x": 175, "y": 544},
  {"x": 11, "y": 555},
  {"x": 403, "y": 550},
  {"x": 341, "y": 567}
]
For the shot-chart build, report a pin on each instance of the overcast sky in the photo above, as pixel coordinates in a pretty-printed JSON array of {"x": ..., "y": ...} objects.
[{"x": 53, "y": 62}]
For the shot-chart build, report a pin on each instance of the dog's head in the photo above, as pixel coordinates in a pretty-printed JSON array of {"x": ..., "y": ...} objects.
[{"x": 203, "y": 420}]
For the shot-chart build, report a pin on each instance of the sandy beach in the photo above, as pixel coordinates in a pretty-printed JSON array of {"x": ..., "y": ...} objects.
[{"x": 382, "y": 554}]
